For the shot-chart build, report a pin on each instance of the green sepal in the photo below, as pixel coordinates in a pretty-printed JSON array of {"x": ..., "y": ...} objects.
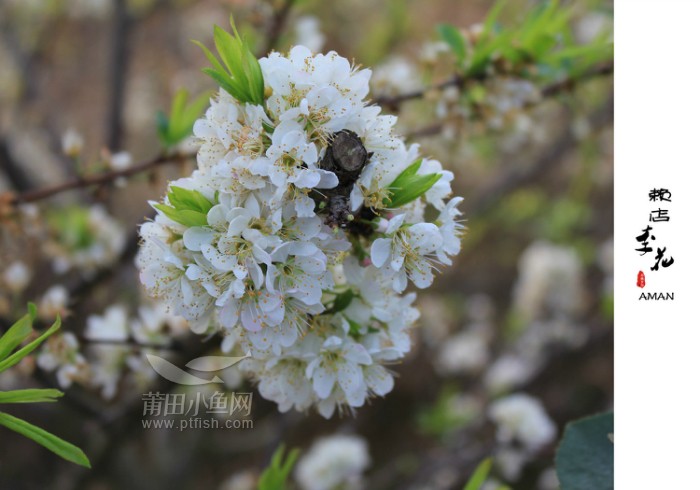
[{"x": 409, "y": 186}]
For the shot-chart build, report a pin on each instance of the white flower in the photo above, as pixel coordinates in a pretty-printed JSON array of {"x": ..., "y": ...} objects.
[
  {"x": 511, "y": 461},
  {"x": 61, "y": 353},
  {"x": 396, "y": 76},
  {"x": 231, "y": 133},
  {"x": 17, "y": 276},
  {"x": 113, "y": 326},
  {"x": 550, "y": 278},
  {"x": 308, "y": 33},
  {"x": 162, "y": 272},
  {"x": 284, "y": 382},
  {"x": 54, "y": 302},
  {"x": 333, "y": 462},
  {"x": 243, "y": 480},
  {"x": 464, "y": 353},
  {"x": 523, "y": 418},
  {"x": 107, "y": 363},
  {"x": 255, "y": 308},
  {"x": 405, "y": 253},
  {"x": 90, "y": 240},
  {"x": 509, "y": 371},
  {"x": 120, "y": 161},
  {"x": 324, "y": 90},
  {"x": 450, "y": 230},
  {"x": 340, "y": 362},
  {"x": 72, "y": 143}
]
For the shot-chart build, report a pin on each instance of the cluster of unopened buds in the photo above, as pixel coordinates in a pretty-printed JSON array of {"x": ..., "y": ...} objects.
[{"x": 301, "y": 228}]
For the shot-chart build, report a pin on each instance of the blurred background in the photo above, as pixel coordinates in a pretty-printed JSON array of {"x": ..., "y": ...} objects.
[{"x": 524, "y": 312}]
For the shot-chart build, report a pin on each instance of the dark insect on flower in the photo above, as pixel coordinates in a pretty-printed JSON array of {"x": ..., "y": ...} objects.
[{"x": 346, "y": 156}]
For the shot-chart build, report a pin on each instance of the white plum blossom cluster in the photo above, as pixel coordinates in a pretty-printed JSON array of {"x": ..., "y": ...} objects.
[
  {"x": 109, "y": 355},
  {"x": 333, "y": 462},
  {"x": 16, "y": 277},
  {"x": 61, "y": 354},
  {"x": 548, "y": 298},
  {"x": 85, "y": 239},
  {"x": 523, "y": 429},
  {"x": 296, "y": 258},
  {"x": 550, "y": 282},
  {"x": 506, "y": 98},
  {"x": 395, "y": 76},
  {"x": 307, "y": 29}
]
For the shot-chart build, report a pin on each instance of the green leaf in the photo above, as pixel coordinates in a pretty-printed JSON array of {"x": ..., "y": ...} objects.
[
  {"x": 17, "y": 333},
  {"x": 175, "y": 128},
  {"x": 584, "y": 458},
  {"x": 451, "y": 35},
  {"x": 239, "y": 71},
  {"x": 441, "y": 418},
  {"x": 64, "y": 449},
  {"x": 187, "y": 207},
  {"x": 275, "y": 476},
  {"x": 479, "y": 476},
  {"x": 182, "y": 199},
  {"x": 162, "y": 126},
  {"x": 492, "y": 16},
  {"x": 407, "y": 173},
  {"x": 343, "y": 300},
  {"x": 27, "y": 349},
  {"x": 210, "y": 56},
  {"x": 413, "y": 189},
  {"x": 355, "y": 328},
  {"x": 409, "y": 186},
  {"x": 30, "y": 396},
  {"x": 185, "y": 217}
]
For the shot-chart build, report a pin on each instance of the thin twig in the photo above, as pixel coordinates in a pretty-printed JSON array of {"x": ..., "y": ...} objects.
[
  {"x": 117, "y": 74},
  {"x": 12, "y": 169},
  {"x": 279, "y": 20},
  {"x": 98, "y": 179},
  {"x": 521, "y": 175},
  {"x": 171, "y": 345},
  {"x": 393, "y": 101},
  {"x": 108, "y": 177},
  {"x": 551, "y": 90}
]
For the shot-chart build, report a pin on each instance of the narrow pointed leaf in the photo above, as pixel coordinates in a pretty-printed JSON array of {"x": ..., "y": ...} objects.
[
  {"x": 64, "y": 449},
  {"x": 479, "y": 476},
  {"x": 16, "y": 334},
  {"x": 27, "y": 349},
  {"x": 30, "y": 396},
  {"x": 451, "y": 35}
]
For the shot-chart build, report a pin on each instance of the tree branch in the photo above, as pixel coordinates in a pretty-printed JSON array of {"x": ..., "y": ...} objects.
[
  {"x": 279, "y": 20},
  {"x": 98, "y": 179},
  {"x": 523, "y": 175},
  {"x": 15, "y": 173},
  {"x": 118, "y": 72},
  {"x": 394, "y": 101}
]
